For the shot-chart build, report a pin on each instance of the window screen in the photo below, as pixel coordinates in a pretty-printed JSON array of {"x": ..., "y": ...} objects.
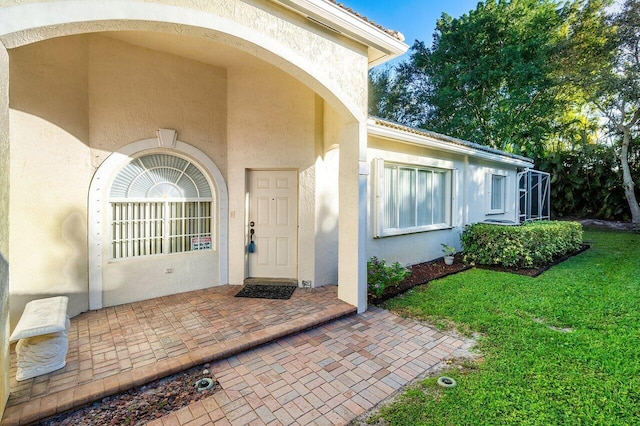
[{"x": 160, "y": 204}]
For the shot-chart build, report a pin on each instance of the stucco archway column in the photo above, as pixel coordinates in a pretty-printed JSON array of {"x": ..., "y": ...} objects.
[
  {"x": 352, "y": 262},
  {"x": 4, "y": 228}
]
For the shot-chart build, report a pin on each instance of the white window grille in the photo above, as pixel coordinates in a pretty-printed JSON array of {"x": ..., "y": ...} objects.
[
  {"x": 160, "y": 204},
  {"x": 412, "y": 198}
]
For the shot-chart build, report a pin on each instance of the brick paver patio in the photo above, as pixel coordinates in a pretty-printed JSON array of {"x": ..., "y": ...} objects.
[
  {"x": 118, "y": 348},
  {"x": 324, "y": 376},
  {"x": 273, "y": 368}
]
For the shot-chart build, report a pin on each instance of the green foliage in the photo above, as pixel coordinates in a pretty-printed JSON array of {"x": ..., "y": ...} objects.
[
  {"x": 529, "y": 245},
  {"x": 492, "y": 74},
  {"x": 559, "y": 349},
  {"x": 398, "y": 94},
  {"x": 585, "y": 182},
  {"x": 380, "y": 275},
  {"x": 496, "y": 76},
  {"x": 448, "y": 250}
]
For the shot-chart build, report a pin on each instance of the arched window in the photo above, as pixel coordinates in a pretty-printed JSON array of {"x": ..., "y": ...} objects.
[{"x": 160, "y": 204}]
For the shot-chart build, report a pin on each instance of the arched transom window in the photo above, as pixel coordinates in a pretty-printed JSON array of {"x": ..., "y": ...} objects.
[{"x": 160, "y": 204}]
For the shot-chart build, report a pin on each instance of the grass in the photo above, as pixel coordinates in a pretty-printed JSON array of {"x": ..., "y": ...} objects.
[{"x": 559, "y": 349}]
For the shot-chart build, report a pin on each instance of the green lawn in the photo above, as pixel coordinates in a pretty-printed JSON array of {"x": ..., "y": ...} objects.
[{"x": 533, "y": 373}]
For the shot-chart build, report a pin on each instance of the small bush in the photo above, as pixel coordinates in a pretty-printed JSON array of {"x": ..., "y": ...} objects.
[
  {"x": 530, "y": 245},
  {"x": 380, "y": 275}
]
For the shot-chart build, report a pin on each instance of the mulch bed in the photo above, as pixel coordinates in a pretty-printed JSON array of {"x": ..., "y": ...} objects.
[
  {"x": 423, "y": 273},
  {"x": 143, "y": 404}
]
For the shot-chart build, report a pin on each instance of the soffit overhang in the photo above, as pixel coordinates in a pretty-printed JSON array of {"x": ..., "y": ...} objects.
[{"x": 382, "y": 44}]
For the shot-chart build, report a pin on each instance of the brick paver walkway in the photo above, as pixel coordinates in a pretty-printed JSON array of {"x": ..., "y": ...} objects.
[
  {"x": 117, "y": 348},
  {"x": 325, "y": 376}
]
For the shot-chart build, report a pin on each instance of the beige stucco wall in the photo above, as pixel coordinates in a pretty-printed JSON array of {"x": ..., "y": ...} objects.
[
  {"x": 327, "y": 197},
  {"x": 50, "y": 172},
  {"x": 4, "y": 228},
  {"x": 133, "y": 92},
  {"x": 103, "y": 94},
  {"x": 74, "y": 101},
  {"x": 272, "y": 125},
  {"x": 469, "y": 200}
]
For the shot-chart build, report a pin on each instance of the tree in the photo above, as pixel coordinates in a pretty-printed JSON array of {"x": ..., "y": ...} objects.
[
  {"x": 532, "y": 77},
  {"x": 615, "y": 88},
  {"x": 399, "y": 94},
  {"x": 495, "y": 78},
  {"x": 622, "y": 106}
]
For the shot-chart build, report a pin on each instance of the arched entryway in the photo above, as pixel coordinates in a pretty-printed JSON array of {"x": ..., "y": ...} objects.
[{"x": 311, "y": 98}]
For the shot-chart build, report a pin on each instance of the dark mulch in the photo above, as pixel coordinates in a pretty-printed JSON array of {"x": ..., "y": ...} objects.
[
  {"x": 267, "y": 291},
  {"x": 141, "y": 405},
  {"x": 423, "y": 273}
]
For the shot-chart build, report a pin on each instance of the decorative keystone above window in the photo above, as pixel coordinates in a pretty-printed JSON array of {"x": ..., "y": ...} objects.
[{"x": 167, "y": 138}]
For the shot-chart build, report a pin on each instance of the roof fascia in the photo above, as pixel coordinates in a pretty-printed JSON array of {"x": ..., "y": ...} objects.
[
  {"x": 383, "y": 46},
  {"x": 428, "y": 142}
]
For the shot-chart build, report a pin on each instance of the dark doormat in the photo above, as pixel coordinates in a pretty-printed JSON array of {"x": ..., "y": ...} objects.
[{"x": 267, "y": 291}]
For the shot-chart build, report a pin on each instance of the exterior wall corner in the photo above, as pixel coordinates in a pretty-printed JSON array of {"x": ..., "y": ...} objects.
[{"x": 4, "y": 228}]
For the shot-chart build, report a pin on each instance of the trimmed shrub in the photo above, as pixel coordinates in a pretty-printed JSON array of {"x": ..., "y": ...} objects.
[{"x": 527, "y": 246}]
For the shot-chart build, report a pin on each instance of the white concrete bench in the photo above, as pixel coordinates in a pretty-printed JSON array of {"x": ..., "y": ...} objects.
[{"x": 42, "y": 337}]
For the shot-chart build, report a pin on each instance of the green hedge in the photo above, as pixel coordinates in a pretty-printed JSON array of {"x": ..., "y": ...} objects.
[{"x": 530, "y": 245}]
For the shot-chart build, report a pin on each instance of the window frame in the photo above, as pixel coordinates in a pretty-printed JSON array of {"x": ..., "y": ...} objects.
[
  {"x": 490, "y": 210},
  {"x": 167, "y": 217},
  {"x": 380, "y": 165}
]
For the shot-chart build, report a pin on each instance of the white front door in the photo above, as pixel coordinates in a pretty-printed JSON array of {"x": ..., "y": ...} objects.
[{"x": 273, "y": 212}]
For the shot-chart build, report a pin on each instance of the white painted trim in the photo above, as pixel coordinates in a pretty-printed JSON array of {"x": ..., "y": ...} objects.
[
  {"x": 489, "y": 191},
  {"x": 98, "y": 192},
  {"x": 427, "y": 142},
  {"x": 379, "y": 206}
]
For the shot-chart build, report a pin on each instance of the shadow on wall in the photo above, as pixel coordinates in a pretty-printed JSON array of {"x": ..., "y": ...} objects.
[
  {"x": 74, "y": 234},
  {"x": 327, "y": 242},
  {"x": 49, "y": 79},
  {"x": 66, "y": 269}
]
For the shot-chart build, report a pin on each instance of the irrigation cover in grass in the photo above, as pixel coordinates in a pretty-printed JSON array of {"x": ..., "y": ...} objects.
[{"x": 267, "y": 291}]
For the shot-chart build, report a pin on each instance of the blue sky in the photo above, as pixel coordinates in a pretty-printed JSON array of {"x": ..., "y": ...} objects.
[{"x": 416, "y": 19}]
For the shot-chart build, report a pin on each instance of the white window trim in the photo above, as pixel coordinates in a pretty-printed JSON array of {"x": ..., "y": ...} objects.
[
  {"x": 166, "y": 216},
  {"x": 378, "y": 176},
  {"x": 489, "y": 192},
  {"x": 99, "y": 193}
]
